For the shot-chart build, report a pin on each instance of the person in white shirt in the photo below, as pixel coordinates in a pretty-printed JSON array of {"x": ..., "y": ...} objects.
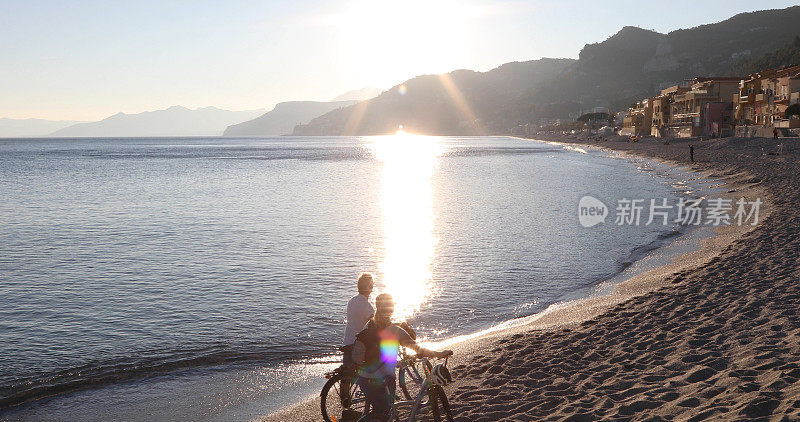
[{"x": 359, "y": 312}]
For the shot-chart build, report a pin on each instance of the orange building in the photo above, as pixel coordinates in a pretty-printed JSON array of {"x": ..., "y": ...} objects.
[
  {"x": 764, "y": 97},
  {"x": 687, "y": 116},
  {"x": 639, "y": 118},
  {"x": 706, "y": 106},
  {"x": 662, "y": 108}
]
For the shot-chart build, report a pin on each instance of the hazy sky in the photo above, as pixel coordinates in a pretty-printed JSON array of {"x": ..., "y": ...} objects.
[{"x": 86, "y": 60}]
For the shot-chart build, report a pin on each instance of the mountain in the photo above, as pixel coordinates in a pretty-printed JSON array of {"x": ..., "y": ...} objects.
[
  {"x": 29, "y": 128},
  {"x": 630, "y": 65},
  {"x": 174, "y": 121},
  {"x": 359, "y": 94},
  {"x": 785, "y": 56},
  {"x": 460, "y": 102},
  {"x": 635, "y": 63},
  {"x": 283, "y": 118}
]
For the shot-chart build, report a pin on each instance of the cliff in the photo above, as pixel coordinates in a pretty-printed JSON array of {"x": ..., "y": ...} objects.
[{"x": 283, "y": 118}]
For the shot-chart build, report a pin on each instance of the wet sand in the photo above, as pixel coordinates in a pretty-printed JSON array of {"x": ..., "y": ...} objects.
[{"x": 714, "y": 335}]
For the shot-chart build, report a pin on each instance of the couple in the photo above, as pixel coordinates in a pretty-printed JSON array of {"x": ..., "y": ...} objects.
[{"x": 375, "y": 378}]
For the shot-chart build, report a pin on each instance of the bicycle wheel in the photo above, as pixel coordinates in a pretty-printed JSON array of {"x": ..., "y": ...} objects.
[
  {"x": 439, "y": 405},
  {"x": 430, "y": 405},
  {"x": 342, "y": 405},
  {"x": 410, "y": 380}
]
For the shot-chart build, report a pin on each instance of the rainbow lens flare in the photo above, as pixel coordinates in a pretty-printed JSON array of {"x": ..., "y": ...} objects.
[{"x": 390, "y": 347}]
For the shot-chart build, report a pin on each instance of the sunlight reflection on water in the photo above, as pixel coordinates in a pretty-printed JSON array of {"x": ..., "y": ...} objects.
[{"x": 409, "y": 162}]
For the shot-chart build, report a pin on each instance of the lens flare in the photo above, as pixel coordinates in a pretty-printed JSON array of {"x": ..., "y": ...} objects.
[{"x": 389, "y": 350}]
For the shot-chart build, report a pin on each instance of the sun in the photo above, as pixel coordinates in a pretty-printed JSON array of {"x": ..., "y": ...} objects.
[{"x": 383, "y": 42}]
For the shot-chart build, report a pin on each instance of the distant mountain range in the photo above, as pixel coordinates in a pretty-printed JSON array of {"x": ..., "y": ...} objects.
[
  {"x": 284, "y": 117},
  {"x": 174, "y": 121},
  {"x": 28, "y": 128},
  {"x": 630, "y": 65},
  {"x": 181, "y": 121}
]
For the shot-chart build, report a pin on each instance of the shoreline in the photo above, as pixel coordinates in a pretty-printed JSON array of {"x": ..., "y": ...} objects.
[
  {"x": 664, "y": 173},
  {"x": 573, "y": 313},
  {"x": 687, "y": 343}
]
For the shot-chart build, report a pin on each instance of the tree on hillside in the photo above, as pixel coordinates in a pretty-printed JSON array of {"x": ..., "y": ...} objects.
[
  {"x": 785, "y": 56},
  {"x": 595, "y": 117},
  {"x": 793, "y": 110}
]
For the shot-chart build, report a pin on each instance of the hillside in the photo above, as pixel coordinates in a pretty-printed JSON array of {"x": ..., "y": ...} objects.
[
  {"x": 28, "y": 128},
  {"x": 632, "y": 64},
  {"x": 283, "y": 118},
  {"x": 785, "y": 56},
  {"x": 460, "y": 102},
  {"x": 174, "y": 121},
  {"x": 635, "y": 63}
]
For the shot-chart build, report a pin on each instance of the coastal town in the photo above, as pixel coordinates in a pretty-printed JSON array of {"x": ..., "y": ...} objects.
[
  {"x": 366, "y": 211},
  {"x": 763, "y": 104}
]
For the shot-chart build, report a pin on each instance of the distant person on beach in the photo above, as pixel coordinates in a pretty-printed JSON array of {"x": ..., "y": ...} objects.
[
  {"x": 359, "y": 311},
  {"x": 376, "y": 350},
  {"x": 774, "y": 133},
  {"x": 691, "y": 153}
]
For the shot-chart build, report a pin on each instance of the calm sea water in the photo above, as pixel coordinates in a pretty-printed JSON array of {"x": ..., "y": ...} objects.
[{"x": 130, "y": 266}]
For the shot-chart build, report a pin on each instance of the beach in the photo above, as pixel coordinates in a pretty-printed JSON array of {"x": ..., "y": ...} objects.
[
  {"x": 717, "y": 341},
  {"x": 713, "y": 335}
]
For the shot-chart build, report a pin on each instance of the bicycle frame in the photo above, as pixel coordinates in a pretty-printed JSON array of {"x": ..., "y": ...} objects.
[
  {"x": 408, "y": 369},
  {"x": 409, "y": 377},
  {"x": 415, "y": 405}
]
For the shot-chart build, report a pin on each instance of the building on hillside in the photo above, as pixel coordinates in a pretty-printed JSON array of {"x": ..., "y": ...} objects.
[
  {"x": 715, "y": 106},
  {"x": 639, "y": 119},
  {"x": 688, "y": 109},
  {"x": 718, "y": 119},
  {"x": 786, "y": 92},
  {"x": 661, "y": 108},
  {"x": 745, "y": 99},
  {"x": 763, "y": 98}
]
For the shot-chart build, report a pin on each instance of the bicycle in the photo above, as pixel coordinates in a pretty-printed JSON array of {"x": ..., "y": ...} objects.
[
  {"x": 351, "y": 404},
  {"x": 430, "y": 395},
  {"x": 341, "y": 404},
  {"x": 408, "y": 370}
]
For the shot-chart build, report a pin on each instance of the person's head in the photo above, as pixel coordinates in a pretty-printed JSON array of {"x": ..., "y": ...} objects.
[
  {"x": 384, "y": 308},
  {"x": 365, "y": 283}
]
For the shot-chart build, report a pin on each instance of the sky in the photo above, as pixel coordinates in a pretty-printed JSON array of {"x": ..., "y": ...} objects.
[{"x": 87, "y": 60}]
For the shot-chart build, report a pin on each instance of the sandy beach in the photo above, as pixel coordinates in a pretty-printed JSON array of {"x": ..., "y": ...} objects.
[
  {"x": 711, "y": 336},
  {"x": 717, "y": 341}
]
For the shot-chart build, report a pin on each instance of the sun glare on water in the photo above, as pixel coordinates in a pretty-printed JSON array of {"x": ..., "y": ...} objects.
[{"x": 409, "y": 162}]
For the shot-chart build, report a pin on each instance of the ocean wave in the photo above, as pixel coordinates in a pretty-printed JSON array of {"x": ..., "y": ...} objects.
[{"x": 102, "y": 373}]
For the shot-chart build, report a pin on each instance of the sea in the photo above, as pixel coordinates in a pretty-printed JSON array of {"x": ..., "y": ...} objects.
[{"x": 207, "y": 278}]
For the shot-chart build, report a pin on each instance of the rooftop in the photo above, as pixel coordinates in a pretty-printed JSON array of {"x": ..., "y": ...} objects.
[{"x": 718, "y": 78}]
